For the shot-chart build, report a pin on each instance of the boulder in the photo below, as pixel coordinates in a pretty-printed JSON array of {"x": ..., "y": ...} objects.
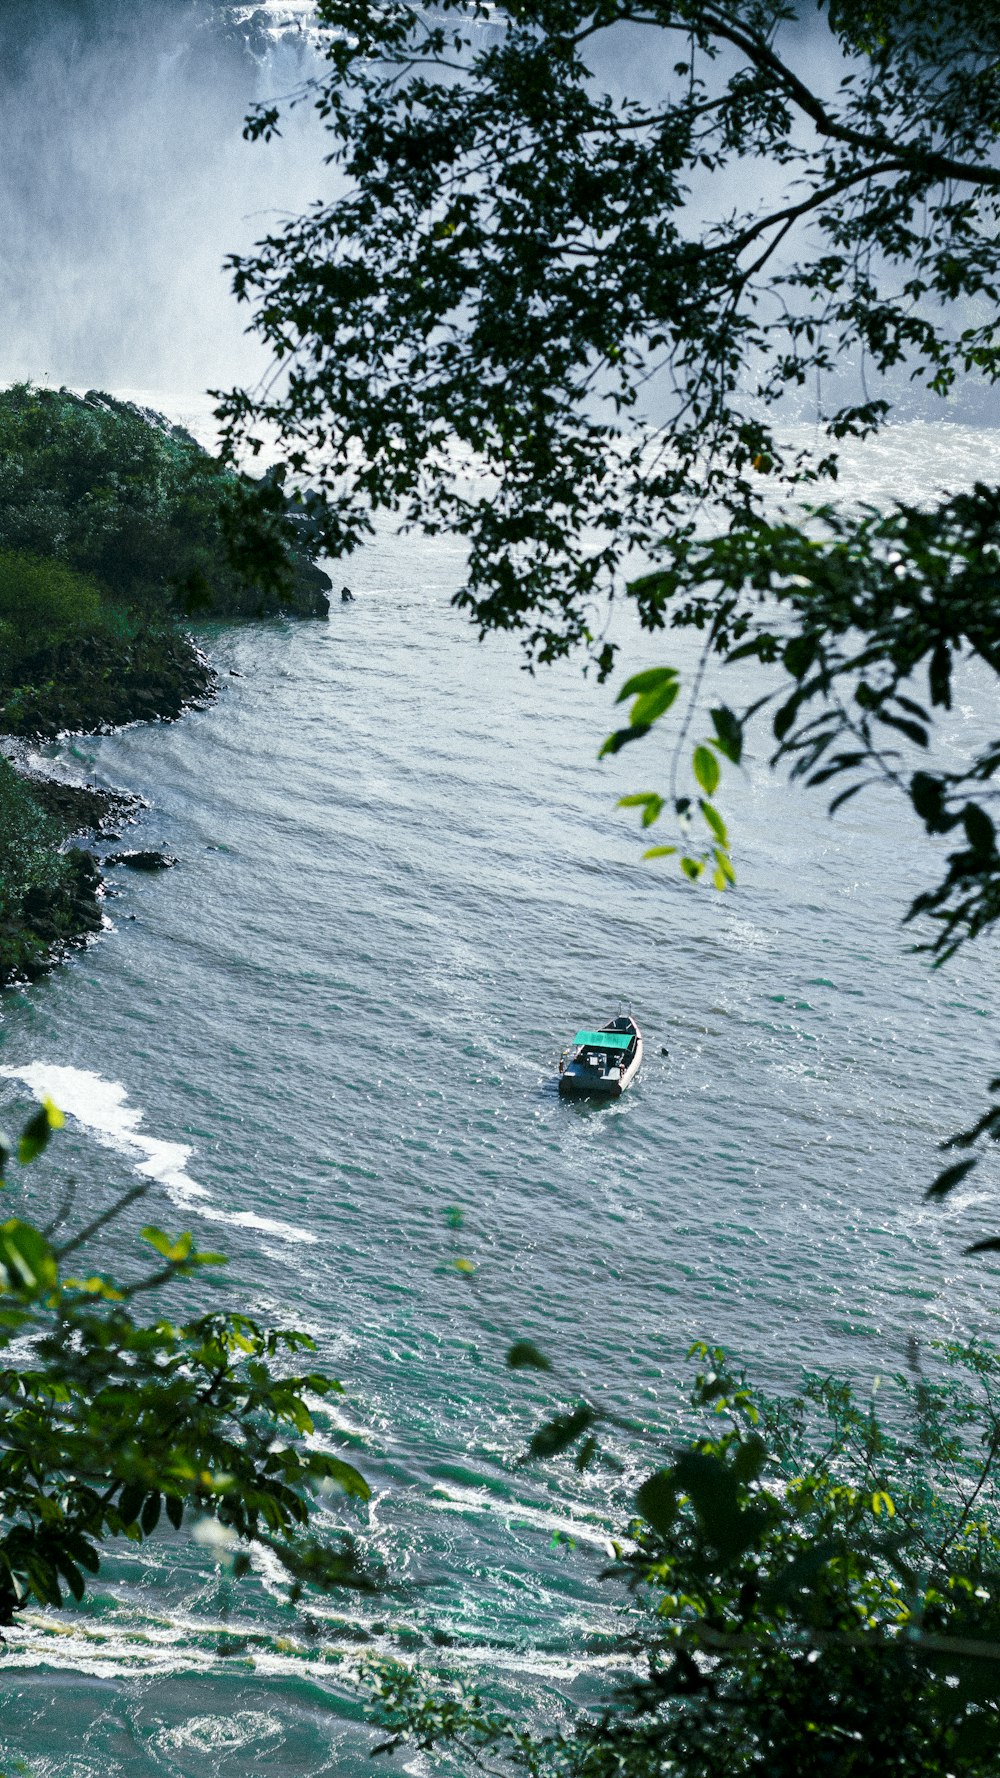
[{"x": 142, "y": 860}]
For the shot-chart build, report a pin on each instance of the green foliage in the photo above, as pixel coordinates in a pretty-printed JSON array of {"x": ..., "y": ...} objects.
[
  {"x": 654, "y": 692},
  {"x": 524, "y": 1355},
  {"x": 42, "y": 603},
  {"x": 514, "y": 272},
  {"x": 71, "y": 657},
  {"x": 111, "y": 1423},
  {"x": 515, "y": 275},
  {"x": 887, "y": 610},
  {"x": 810, "y": 1590},
  {"x": 44, "y": 896},
  {"x": 119, "y": 495}
]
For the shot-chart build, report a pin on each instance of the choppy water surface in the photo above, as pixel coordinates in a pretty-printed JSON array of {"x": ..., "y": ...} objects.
[{"x": 401, "y": 887}]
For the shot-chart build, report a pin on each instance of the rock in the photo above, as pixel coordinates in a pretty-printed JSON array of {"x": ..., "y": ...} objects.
[
  {"x": 39, "y": 903},
  {"x": 96, "y": 685},
  {"x": 142, "y": 860}
]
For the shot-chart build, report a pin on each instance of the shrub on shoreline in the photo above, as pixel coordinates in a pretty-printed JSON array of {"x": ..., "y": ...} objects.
[
  {"x": 71, "y": 658},
  {"x": 46, "y": 894},
  {"x": 117, "y": 493}
]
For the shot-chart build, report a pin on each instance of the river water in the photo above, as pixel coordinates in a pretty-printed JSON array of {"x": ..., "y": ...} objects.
[{"x": 401, "y": 885}]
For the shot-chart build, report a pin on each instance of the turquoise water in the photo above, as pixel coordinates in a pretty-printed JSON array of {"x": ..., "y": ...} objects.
[{"x": 402, "y": 884}]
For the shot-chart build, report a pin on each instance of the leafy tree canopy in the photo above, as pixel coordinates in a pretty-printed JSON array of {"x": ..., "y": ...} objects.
[
  {"x": 812, "y": 1589},
  {"x": 110, "y": 1420},
  {"x": 564, "y": 288},
  {"x": 583, "y": 263}
]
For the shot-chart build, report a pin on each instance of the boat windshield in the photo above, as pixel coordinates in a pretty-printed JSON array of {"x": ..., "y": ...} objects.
[{"x": 603, "y": 1040}]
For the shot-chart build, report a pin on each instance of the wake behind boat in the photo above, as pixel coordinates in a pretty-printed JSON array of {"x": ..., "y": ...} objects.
[{"x": 602, "y": 1063}]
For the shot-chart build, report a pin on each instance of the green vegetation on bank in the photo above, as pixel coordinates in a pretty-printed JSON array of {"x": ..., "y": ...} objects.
[
  {"x": 117, "y": 493},
  {"x": 115, "y": 527},
  {"x": 73, "y": 658},
  {"x": 46, "y": 893}
]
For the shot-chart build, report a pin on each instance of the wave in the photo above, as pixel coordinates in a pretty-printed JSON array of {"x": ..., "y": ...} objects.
[{"x": 102, "y": 1107}]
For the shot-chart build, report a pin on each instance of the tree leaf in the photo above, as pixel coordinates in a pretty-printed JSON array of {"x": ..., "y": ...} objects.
[
  {"x": 927, "y": 797},
  {"x": 27, "y": 1262},
  {"x": 157, "y": 1239},
  {"x": 151, "y": 1512},
  {"x": 653, "y": 704},
  {"x": 939, "y": 675},
  {"x": 559, "y": 1433},
  {"x": 652, "y": 679},
  {"x": 799, "y": 655},
  {"x": 648, "y": 801},
  {"x": 524, "y": 1355},
  {"x": 130, "y": 1502},
  {"x": 982, "y": 834},
  {"x": 706, "y": 769},
  {"x": 947, "y": 1181},
  {"x": 34, "y": 1138},
  {"x": 725, "y": 864},
  {"x": 179, "y": 1250},
  {"x": 728, "y": 733},
  {"x": 914, "y": 731},
  {"x": 621, "y": 738},
  {"x": 657, "y": 1501},
  {"x": 587, "y": 1452},
  {"x": 347, "y": 1478},
  {"x": 785, "y": 717}
]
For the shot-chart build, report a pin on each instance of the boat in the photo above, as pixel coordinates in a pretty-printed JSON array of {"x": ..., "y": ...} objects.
[{"x": 601, "y": 1064}]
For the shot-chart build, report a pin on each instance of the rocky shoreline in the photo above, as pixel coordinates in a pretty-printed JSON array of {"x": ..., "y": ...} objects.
[
  {"x": 94, "y": 686},
  {"x": 116, "y": 527},
  {"x": 87, "y": 694},
  {"x": 60, "y": 916}
]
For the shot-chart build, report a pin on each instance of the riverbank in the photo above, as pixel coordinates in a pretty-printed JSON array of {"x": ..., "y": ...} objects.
[
  {"x": 116, "y": 529},
  {"x": 51, "y": 886},
  {"x": 97, "y": 684}
]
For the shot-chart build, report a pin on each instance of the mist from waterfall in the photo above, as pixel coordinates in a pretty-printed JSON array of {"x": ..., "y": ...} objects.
[{"x": 125, "y": 181}]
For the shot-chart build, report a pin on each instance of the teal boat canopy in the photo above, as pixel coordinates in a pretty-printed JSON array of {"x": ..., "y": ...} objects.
[{"x": 603, "y": 1040}]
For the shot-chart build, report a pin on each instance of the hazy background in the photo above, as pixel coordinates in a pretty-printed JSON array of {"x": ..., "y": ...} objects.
[{"x": 124, "y": 182}]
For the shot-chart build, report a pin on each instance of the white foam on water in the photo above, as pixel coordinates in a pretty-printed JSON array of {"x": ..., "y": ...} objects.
[
  {"x": 102, "y": 1107},
  {"x": 568, "y": 1524},
  {"x": 107, "y": 1654},
  {"x": 222, "y": 1734}
]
